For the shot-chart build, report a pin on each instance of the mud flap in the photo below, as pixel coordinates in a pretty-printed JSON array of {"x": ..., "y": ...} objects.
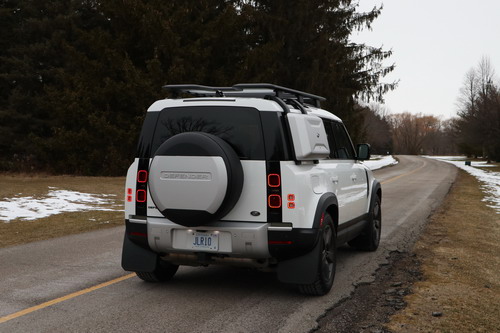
[
  {"x": 300, "y": 270},
  {"x": 136, "y": 258}
]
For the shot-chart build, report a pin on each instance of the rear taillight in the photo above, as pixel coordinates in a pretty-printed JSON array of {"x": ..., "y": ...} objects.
[
  {"x": 274, "y": 201},
  {"x": 142, "y": 176},
  {"x": 141, "y": 187},
  {"x": 129, "y": 195},
  {"x": 140, "y": 196},
  {"x": 273, "y": 180}
]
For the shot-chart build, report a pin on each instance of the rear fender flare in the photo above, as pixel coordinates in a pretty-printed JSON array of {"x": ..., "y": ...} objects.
[
  {"x": 327, "y": 203},
  {"x": 376, "y": 187},
  {"x": 303, "y": 269}
]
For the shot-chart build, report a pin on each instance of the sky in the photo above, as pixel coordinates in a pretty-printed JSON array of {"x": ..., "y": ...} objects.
[{"x": 434, "y": 44}]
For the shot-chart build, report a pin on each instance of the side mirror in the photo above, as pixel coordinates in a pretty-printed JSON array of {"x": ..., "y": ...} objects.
[{"x": 363, "y": 151}]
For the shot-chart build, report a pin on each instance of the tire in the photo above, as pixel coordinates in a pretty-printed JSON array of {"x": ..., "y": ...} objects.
[
  {"x": 369, "y": 239},
  {"x": 327, "y": 261},
  {"x": 164, "y": 272},
  {"x": 195, "y": 178}
]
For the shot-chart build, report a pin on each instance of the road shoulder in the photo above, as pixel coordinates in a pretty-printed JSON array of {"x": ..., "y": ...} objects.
[{"x": 446, "y": 283}]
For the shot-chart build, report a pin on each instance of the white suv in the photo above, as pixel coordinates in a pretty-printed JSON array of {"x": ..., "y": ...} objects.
[{"x": 255, "y": 175}]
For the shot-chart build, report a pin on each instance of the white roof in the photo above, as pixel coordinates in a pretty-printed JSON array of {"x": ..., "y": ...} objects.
[{"x": 257, "y": 103}]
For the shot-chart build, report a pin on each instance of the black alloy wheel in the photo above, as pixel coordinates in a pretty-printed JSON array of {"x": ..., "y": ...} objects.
[
  {"x": 369, "y": 239},
  {"x": 327, "y": 261}
]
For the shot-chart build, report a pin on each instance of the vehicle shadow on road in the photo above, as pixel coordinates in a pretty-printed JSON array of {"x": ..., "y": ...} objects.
[{"x": 217, "y": 279}]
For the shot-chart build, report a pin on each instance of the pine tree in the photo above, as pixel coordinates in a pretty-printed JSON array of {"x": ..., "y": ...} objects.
[
  {"x": 305, "y": 45},
  {"x": 77, "y": 76}
]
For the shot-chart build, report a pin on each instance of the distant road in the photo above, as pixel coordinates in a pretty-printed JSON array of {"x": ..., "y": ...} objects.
[{"x": 44, "y": 283}]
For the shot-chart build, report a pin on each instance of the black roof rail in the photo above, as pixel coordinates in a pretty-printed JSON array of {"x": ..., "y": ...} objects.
[
  {"x": 284, "y": 93},
  {"x": 199, "y": 90},
  {"x": 259, "y": 90},
  {"x": 298, "y": 105}
]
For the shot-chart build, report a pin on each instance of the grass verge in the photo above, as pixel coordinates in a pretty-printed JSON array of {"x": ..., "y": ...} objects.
[
  {"x": 20, "y": 231},
  {"x": 459, "y": 253}
]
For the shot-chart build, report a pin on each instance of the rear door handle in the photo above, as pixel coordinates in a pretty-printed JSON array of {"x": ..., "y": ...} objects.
[
  {"x": 354, "y": 178},
  {"x": 335, "y": 179}
]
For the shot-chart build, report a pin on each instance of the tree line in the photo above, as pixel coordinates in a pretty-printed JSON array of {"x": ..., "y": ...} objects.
[
  {"x": 77, "y": 76},
  {"x": 474, "y": 132},
  {"x": 408, "y": 134}
]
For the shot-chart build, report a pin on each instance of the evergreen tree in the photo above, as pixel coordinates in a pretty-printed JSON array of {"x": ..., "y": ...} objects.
[
  {"x": 77, "y": 76},
  {"x": 305, "y": 44}
]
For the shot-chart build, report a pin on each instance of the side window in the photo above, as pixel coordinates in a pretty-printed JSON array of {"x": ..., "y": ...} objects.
[
  {"x": 344, "y": 149},
  {"x": 331, "y": 139}
]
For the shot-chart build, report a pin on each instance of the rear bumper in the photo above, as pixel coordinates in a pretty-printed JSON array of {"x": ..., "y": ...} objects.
[{"x": 236, "y": 239}]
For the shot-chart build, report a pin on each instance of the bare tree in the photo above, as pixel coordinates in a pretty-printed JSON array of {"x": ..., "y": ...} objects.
[
  {"x": 479, "y": 112},
  {"x": 415, "y": 134}
]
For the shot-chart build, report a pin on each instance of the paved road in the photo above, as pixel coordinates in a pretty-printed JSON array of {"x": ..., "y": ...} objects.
[{"x": 213, "y": 299}]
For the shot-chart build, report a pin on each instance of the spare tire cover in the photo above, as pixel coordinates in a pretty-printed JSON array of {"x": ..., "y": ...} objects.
[{"x": 195, "y": 178}]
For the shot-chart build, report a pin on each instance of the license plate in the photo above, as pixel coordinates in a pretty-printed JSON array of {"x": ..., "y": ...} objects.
[{"x": 203, "y": 241}]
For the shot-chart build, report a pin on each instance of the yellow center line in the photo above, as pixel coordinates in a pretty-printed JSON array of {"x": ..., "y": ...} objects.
[
  {"x": 404, "y": 174},
  {"x": 63, "y": 298}
]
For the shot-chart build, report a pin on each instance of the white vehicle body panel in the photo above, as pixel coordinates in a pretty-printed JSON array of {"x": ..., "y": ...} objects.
[
  {"x": 253, "y": 196},
  {"x": 308, "y": 136},
  {"x": 257, "y": 103}
]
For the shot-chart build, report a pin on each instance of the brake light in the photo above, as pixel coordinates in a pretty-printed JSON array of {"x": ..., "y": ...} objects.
[
  {"x": 274, "y": 201},
  {"x": 142, "y": 176},
  {"x": 141, "y": 196},
  {"x": 273, "y": 180},
  {"x": 129, "y": 195},
  {"x": 273, "y": 189}
]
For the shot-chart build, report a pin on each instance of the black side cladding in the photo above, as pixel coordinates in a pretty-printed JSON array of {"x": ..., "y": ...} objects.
[{"x": 204, "y": 144}]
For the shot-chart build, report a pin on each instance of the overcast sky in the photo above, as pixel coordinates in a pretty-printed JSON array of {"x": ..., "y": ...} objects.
[{"x": 435, "y": 42}]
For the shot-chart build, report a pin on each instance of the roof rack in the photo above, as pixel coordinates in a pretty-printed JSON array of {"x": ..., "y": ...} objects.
[
  {"x": 258, "y": 90},
  {"x": 199, "y": 90}
]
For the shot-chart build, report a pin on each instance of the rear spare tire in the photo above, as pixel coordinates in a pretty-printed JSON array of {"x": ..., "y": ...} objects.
[{"x": 195, "y": 178}]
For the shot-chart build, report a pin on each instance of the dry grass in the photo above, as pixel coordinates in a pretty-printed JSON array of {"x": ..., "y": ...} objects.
[
  {"x": 19, "y": 231},
  {"x": 460, "y": 259}
]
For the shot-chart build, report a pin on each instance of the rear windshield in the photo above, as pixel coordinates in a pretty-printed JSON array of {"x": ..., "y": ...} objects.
[{"x": 238, "y": 126}]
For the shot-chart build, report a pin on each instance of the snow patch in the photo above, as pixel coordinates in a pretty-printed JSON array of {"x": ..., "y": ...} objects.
[
  {"x": 55, "y": 202},
  {"x": 490, "y": 180},
  {"x": 380, "y": 161}
]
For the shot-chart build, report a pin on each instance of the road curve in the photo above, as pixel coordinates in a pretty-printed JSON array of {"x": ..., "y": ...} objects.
[{"x": 43, "y": 284}]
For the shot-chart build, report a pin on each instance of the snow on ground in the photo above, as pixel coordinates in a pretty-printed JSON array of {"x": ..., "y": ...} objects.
[
  {"x": 380, "y": 161},
  {"x": 55, "y": 202},
  {"x": 490, "y": 180}
]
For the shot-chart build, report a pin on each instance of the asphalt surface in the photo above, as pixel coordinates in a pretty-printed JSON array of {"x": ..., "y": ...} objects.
[{"x": 42, "y": 284}]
